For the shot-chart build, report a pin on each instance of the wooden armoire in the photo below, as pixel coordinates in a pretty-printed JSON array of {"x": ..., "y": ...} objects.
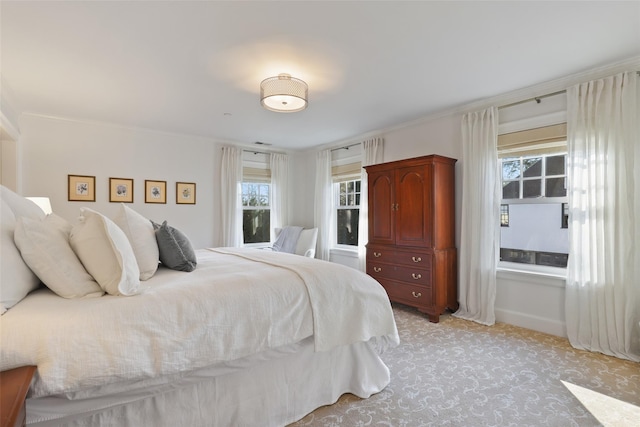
[{"x": 411, "y": 249}]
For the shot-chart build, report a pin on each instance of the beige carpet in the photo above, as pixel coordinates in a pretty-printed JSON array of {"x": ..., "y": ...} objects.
[{"x": 459, "y": 373}]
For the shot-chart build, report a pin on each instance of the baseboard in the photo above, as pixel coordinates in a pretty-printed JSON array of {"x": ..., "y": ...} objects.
[{"x": 532, "y": 322}]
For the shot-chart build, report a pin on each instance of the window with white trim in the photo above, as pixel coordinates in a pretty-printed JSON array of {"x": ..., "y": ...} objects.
[
  {"x": 533, "y": 165},
  {"x": 256, "y": 204},
  {"x": 347, "y": 205},
  {"x": 346, "y": 173}
]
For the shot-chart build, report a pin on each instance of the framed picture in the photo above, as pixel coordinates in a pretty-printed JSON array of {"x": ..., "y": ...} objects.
[
  {"x": 185, "y": 193},
  {"x": 81, "y": 188},
  {"x": 121, "y": 190},
  {"x": 155, "y": 191}
]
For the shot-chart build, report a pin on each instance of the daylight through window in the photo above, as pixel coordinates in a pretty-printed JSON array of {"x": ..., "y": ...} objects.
[
  {"x": 347, "y": 202},
  {"x": 256, "y": 212},
  {"x": 532, "y": 212}
]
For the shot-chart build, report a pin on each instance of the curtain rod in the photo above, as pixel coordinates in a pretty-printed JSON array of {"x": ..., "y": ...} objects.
[
  {"x": 346, "y": 147},
  {"x": 256, "y": 152},
  {"x": 538, "y": 98},
  {"x": 535, "y": 98}
]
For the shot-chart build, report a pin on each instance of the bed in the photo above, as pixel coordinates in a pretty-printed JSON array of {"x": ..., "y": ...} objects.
[{"x": 248, "y": 338}]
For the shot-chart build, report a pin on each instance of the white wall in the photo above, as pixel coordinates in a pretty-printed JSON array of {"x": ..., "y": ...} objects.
[{"x": 54, "y": 148}]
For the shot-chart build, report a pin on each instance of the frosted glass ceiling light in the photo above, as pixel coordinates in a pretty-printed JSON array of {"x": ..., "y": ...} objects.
[{"x": 283, "y": 94}]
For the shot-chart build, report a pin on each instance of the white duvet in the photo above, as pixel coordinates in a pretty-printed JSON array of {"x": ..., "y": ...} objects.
[{"x": 236, "y": 303}]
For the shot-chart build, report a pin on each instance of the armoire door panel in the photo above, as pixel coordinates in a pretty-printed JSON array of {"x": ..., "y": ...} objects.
[
  {"x": 382, "y": 213},
  {"x": 413, "y": 198}
]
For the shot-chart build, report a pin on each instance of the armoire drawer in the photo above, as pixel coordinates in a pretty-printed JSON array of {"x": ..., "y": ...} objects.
[
  {"x": 401, "y": 273},
  {"x": 413, "y": 295},
  {"x": 414, "y": 258}
]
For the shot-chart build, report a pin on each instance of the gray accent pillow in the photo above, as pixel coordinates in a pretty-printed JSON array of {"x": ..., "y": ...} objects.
[{"x": 176, "y": 251}]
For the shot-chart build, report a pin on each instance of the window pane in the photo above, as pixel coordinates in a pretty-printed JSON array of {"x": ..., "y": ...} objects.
[
  {"x": 531, "y": 188},
  {"x": 256, "y": 225},
  {"x": 510, "y": 169},
  {"x": 555, "y": 165},
  {"x": 534, "y": 235},
  {"x": 532, "y": 167},
  {"x": 504, "y": 215},
  {"x": 358, "y": 186},
  {"x": 343, "y": 199},
  {"x": 511, "y": 190},
  {"x": 554, "y": 187},
  {"x": 348, "y": 226},
  {"x": 350, "y": 187},
  {"x": 358, "y": 199}
]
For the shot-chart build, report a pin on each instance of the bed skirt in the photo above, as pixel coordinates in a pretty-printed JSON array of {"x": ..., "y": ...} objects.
[{"x": 263, "y": 390}]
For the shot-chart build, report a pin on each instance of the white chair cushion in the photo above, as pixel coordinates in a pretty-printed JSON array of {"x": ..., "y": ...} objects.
[{"x": 306, "y": 244}]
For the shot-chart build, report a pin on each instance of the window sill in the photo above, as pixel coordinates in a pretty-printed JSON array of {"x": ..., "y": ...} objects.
[
  {"x": 551, "y": 276},
  {"x": 345, "y": 251}
]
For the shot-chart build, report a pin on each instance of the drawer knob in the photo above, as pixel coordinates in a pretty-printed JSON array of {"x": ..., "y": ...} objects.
[
  {"x": 416, "y": 276},
  {"x": 416, "y": 294},
  {"x": 416, "y": 259},
  {"x": 377, "y": 269},
  {"x": 377, "y": 254}
]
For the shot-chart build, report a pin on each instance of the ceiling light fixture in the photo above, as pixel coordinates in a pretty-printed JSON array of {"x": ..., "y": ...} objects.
[{"x": 284, "y": 94}]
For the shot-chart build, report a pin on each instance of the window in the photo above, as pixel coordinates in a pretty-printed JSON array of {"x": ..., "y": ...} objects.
[
  {"x": 256, "y": 212},
  {"x": 565, "y": 215},
  {"x": 533, "y": 165},
  {"x": 347, "y": 203},
  {"x": 504, "y": 215},
  {"x": 533, "y": 177}
]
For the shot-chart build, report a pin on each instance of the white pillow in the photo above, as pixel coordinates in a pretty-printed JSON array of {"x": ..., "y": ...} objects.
[
  {"x": 44, "y": 246},
  {"x": 106, "y": 253},
  {"x": 16, "y": 279},
  {"x": 142, "y": 237},
  {"x": 19, "y": 205}
]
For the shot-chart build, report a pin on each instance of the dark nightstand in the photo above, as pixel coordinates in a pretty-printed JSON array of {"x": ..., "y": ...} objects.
[{"x": 14, "y": 385}]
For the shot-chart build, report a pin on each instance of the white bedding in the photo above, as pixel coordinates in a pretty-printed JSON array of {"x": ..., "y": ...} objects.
[{"x": 230, "y": 307}]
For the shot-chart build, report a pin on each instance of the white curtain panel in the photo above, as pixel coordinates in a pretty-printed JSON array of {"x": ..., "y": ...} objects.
[
  {"x": 323, "y": 206},
  {"x": 372, "y": 153},
  {"x": 603, "y": 272},
  {"x": 279, "y": 164},
  {"x": 480, "y": 233},
  {"x": 231, "y": 203}
]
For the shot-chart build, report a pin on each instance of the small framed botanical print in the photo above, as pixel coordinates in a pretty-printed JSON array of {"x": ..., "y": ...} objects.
[
  {"x": 121, "y": 190},
  {"x": 185, "y": 193},
  {"x": 155, "y": 191},
  {"x": 81, "y": 188}
]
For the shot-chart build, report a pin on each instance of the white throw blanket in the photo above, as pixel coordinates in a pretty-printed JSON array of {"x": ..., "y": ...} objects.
[
  {"x": 338, "y": 295},
  {"x": 229, "y": 307},
  {"x": 287, "y": 239}
]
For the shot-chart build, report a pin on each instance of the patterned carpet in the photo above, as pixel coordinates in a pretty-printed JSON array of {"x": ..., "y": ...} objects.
[{"x": 459, "y": 373}]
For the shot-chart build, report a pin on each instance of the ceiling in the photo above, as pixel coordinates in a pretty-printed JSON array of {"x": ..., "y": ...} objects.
[{"x": 194, "y": 67}]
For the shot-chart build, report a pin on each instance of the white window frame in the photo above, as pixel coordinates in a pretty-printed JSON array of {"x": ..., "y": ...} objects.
[
  {"x": 337, "y": 207},
  {"x": 245, "y": 207},
  {"x": 533, "y": 269}
]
